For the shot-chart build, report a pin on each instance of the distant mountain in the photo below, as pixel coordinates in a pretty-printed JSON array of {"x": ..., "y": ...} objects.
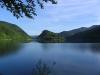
[
  {"x": 92, "y": 34},
  {"x": 83, "y": 34},
  {"x": 10, "y": 31},
  {"x": 72, "y": 32},
  {"x": 48, "y": 36}
]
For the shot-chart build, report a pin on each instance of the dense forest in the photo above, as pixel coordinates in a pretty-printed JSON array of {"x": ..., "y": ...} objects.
[
  {"x": 10, "y": 31},
  {"x": 80, "y": 35}
]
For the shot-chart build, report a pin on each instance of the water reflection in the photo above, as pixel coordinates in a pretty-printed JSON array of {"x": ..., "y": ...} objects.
[
  {"x": 8, "y": 47},
  {"x": 42, "y": 68},
  {"x": 95, "y": 47},
  {"x": 77, "y": 46},
  {"x": 70, "y": 58},
  {"x": 0, "y": 74}
]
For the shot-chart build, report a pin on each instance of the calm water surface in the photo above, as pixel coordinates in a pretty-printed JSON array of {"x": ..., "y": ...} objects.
[{"x": 70, "y": 58}]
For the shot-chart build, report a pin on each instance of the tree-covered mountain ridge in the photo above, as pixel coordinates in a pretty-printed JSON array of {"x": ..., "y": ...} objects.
[
  {"x": 80, "y": 35},
  {"x": 10, "y": 31}
]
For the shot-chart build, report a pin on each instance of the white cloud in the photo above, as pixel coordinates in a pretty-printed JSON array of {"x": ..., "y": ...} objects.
[{"x": 69, "y": 9}]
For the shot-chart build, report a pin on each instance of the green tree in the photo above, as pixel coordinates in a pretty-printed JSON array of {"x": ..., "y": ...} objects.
[{"x": 20, "y": 8}]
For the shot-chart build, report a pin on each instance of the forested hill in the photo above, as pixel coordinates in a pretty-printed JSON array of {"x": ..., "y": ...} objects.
[
  {"x": 80, "y": 35},
  {"x": 50, "y": 37},
  {"x": 10, "y": 31}
]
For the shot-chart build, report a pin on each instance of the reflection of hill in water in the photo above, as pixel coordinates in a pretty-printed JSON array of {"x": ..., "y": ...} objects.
[
  {"x": 95, "y": 47},
  {"x": 8, "y": 47}
]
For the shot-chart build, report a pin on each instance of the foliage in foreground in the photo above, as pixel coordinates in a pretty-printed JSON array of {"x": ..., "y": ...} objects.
[{"x": 23, "y": 7}]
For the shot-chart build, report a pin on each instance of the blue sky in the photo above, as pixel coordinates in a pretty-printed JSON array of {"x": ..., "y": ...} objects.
[{"x": 66, "y": 15}]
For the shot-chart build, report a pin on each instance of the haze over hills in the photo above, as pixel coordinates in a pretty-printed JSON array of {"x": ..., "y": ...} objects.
[
  {"x": 83, "y": 34},
  {"x": 10, "y": 31}
]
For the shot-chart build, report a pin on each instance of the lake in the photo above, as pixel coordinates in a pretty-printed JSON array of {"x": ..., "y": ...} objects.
[{"x": 69, "y": 58}]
